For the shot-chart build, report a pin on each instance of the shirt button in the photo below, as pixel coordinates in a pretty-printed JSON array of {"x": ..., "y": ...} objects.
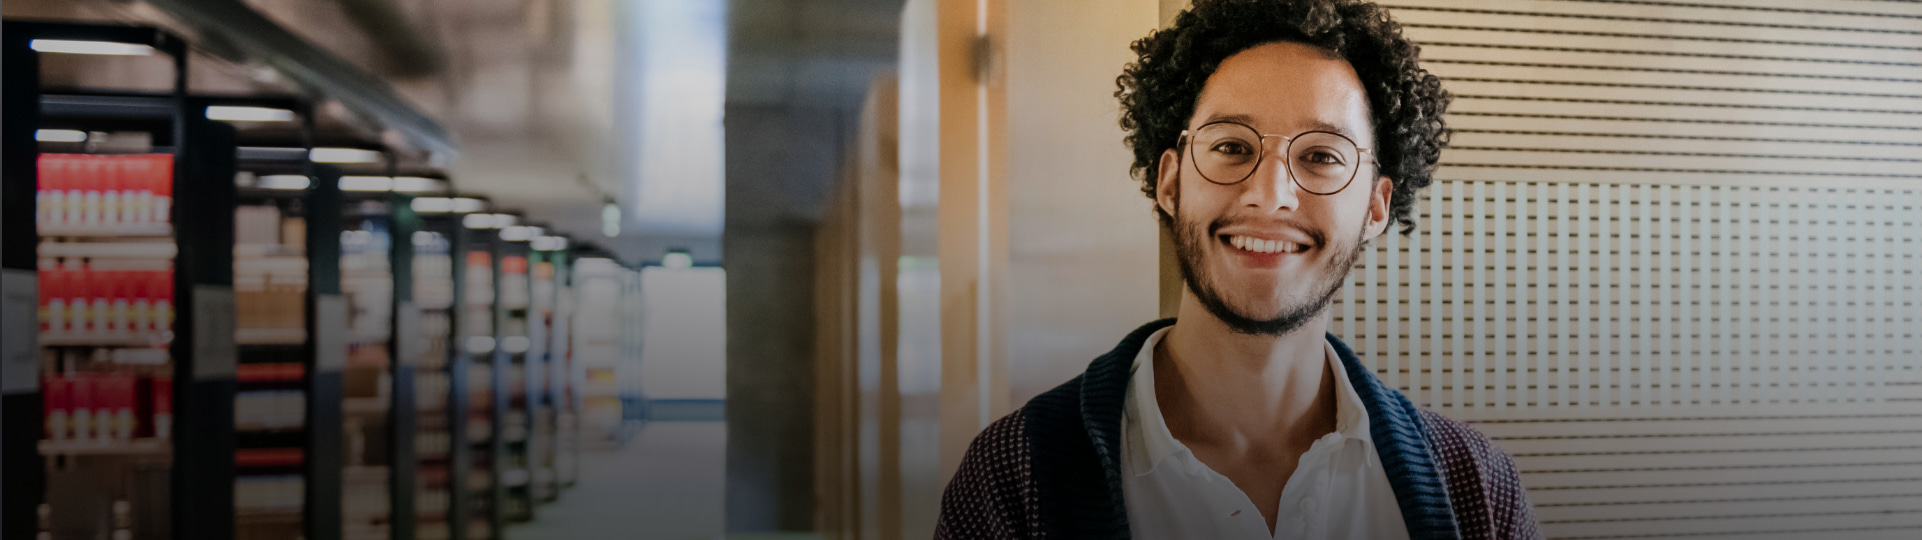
[{"x": 1308, "y": 505}]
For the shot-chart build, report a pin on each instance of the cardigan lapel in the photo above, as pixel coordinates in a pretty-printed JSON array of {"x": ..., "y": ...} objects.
[
  {"x": 1396, "y": 426},
  {"x": 1104, "y": 395},
  {"x": 1394, "y": 423}
]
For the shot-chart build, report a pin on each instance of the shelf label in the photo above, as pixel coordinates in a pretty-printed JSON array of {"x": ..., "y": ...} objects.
[
  {"x": 19, "y": 331},
  {"x": 407, "y": 336},
  {"x": 330, "y": 333},
  {"x": 215, "y": 354}
]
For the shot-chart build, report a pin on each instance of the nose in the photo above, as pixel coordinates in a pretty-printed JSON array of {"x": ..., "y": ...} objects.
[{"x": 1269, "y": 189}]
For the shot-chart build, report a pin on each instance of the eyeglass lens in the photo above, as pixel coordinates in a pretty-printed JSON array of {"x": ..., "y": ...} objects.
[{"x": 1227, "y": 153}]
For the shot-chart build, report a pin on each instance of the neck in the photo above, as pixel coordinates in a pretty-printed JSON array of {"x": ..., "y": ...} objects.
[{"x": 1243, "y": 387}]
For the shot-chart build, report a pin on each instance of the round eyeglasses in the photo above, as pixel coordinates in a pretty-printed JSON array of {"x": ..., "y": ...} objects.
[{"x": 1321, "y": 162}]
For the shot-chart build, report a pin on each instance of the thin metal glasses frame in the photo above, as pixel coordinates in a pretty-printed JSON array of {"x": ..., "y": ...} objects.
[{"x": 1188, "y": 144}]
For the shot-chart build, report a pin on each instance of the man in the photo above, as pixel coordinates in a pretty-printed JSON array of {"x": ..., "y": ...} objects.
[{"x": 1276, "y": 138}]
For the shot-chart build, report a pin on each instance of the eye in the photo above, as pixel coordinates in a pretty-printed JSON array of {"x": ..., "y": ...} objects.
[
  {"x": 1321, "y": 156},
  {"x": 1232, "y": 147}
]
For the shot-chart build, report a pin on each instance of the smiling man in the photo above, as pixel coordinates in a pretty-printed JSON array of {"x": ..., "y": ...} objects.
[{"x": 1276, "y": 138}]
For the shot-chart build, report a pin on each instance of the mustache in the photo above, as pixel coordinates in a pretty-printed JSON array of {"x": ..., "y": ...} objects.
[{"x": 1319, "y": 237}]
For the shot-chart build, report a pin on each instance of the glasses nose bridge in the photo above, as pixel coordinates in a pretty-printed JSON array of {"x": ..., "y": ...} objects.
[
  {"x": 1277, "y": 158},
  {"x": 1277, "y": 187},
  {"x": 1264, "y": 141}
]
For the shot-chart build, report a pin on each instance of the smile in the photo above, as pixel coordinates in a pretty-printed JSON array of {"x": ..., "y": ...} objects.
[{"x": 1258, "y": 245}]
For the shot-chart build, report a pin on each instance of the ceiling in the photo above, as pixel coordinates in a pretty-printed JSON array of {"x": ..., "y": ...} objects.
[{"x": 548, "y": 99}]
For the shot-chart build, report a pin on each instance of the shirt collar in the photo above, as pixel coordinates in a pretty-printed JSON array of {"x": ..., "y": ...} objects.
[{"x": 1146, "y": 428}]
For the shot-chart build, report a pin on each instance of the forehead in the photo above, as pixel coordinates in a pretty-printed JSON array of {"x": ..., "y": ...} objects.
[{"x": 1286, "y": 88}]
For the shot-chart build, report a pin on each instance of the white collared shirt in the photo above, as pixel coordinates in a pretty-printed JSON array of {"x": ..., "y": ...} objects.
[{"x": 1339, "y": 490}]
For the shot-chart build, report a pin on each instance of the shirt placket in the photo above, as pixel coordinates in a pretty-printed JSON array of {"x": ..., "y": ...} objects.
[{"x": 1300, "y": 511}]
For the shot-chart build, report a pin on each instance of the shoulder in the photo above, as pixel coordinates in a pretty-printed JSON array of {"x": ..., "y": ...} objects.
[
  {"x": 1483, "y": 484},
  {"x": 992, "y": 493}
]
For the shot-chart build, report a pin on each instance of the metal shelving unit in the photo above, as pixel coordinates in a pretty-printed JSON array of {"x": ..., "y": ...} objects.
[
  {"x": 148, "y": 230},
  {"x": 353, "y": 365}
]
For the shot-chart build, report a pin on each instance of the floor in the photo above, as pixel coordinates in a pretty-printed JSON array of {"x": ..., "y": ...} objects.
[{"x": 666, "y": 483}]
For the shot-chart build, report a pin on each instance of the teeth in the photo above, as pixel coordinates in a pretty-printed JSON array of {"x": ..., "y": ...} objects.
[{"x": 1258, "y": 245}]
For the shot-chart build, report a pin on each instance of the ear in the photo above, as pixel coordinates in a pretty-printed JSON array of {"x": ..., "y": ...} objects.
[
  {"x": 1168, "y": 181},
  {"x": 1378, "y": 204}
]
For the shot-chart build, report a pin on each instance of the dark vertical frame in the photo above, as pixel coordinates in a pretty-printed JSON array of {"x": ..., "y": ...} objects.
[
  {"x": 517, "y": 454},
  {"x": 203, "y": 349},
  {"x": 324, "y": 357},
  {"x": 403, "y": 351},
  {"x": 497, "y": 379},
  {"x": 460, "y": 457},
  {"x": 571, "y": 398},
  {"x": 543, "y": 478},
  {"x": 21, "y": 422}
]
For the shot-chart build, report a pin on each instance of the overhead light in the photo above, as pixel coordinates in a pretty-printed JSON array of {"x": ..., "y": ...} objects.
[
  {"x": 89, "y": 47},
  {"x": 60, "y": 135},
  {"x": 415, "y": 184},
  {"x": 611, "y": 220},
  {"x": 426, "y": 238},
  {"x": 366, "y": 183},
  {"x": 442, "y": 205},
  {"x": 520, "y": 234},
  {"x": 677, "y": 260},
  {"x": 516, "y": 344},
  {"x": 480, "y": 344},
  {"x": 249, "y": 114},
  {"x": 343, "y": 155},
  {"x": 488, "y": 221},
  {"x": 550, "y": 243},
  {"x": 433, "y": 205},
  {"x": 282, "y": 181}
]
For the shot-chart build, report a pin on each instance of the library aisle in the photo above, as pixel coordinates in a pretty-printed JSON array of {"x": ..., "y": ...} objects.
[{"x": 665, "y": 483}]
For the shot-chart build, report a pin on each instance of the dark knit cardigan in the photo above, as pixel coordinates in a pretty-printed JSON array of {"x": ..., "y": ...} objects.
[{"x": 1053, "y": 468}]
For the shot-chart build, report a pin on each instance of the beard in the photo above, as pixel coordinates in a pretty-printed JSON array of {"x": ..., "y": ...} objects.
[{"x": 1191, "y": 240}]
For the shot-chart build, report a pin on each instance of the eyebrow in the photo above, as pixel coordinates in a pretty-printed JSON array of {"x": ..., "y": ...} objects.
[{"x": 1316, "y": 125}]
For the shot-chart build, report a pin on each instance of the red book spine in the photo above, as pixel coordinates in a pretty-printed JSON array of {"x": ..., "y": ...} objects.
[
  {"x": 45, "y": 290},
  {"x": 111, "y": 186},
  {"x": 119, "y": 298},
  {"x": 129, "y": 405},
  {"x": 86, "y": 173},
  {"x": 163, "y": 301},
  {"x": 140, "y": 308},
  {"x": 163, "y": 407},
  {"x": 161, "y": 176},
  {"x": 48, "y": 196},
  {"x": 80, "y": 391},
  {"x": 58, "y": 400},
  {"x": 59, "y": 289},
  {"x": 100, "y": 290}
]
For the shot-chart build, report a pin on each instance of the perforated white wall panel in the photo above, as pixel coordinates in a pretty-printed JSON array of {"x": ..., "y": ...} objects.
[{"x": 1672, "y": 262}]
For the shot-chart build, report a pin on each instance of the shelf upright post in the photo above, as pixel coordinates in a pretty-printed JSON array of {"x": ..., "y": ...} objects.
[
  {"x": 497, "y": 380},
  {"x": 403, "y": 350},
  {"x": 326, "y": 357},
  {"x": 20, "y": 401},
  {"x": 460, "y": 457},
  {"x": 203, "y": 349},
  {"x": 569, "y": 371}
]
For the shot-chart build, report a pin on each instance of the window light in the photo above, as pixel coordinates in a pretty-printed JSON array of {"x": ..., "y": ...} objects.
[
  {"x": 60, "y": 135},
  {"x": 343, "y": 155},
  {"x": 282, "y": 181},
  {"x": 366, "y": 183},
  {"x": 89, "y": 47},
  {"x": 249, "y": 114}
]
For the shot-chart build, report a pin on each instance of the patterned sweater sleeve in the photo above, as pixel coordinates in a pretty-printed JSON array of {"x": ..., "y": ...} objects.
[
  {"x": 1483, "y": 484},
  {"x": 992, "y": 495}
]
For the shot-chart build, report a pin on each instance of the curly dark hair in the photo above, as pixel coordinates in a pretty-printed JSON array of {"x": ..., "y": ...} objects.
[{"x": 1159, "y": 89}]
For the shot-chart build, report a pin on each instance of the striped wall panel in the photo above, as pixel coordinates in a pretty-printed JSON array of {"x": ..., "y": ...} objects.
[{"x": 1672, "y": 261}]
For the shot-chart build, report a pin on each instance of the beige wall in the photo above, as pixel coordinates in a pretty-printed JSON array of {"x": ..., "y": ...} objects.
[{"x": 1082, "y": 239}]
